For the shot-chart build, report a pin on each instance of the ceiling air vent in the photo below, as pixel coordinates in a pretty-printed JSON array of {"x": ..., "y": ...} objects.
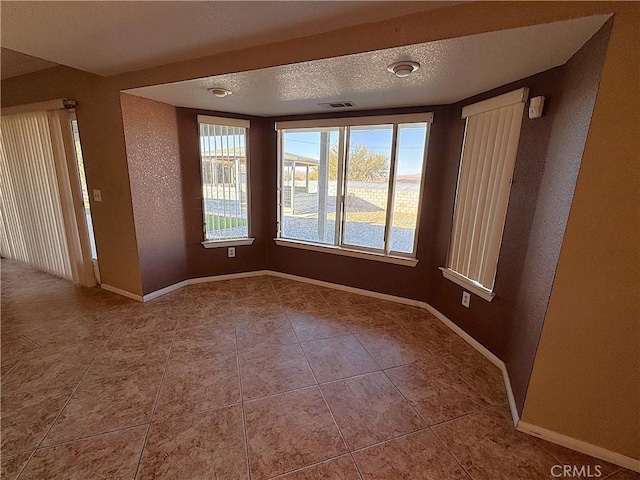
[{"x": 336, "y": 105}]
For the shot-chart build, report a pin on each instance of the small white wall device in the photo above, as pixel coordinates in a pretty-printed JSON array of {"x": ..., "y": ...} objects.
[{"x": 536, "y": 105}]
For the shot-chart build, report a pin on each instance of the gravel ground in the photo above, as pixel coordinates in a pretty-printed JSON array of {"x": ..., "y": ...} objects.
[
  {"x": 220, "y": 207},
  {"x": 356, "y": 233},
  {"x": 300, "y": 228}
]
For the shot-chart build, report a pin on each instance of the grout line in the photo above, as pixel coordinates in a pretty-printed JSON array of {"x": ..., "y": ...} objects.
[
  {"x": 245, "y": 434},
  {"x": 559, "y": 460},
  {"x": 391, "y": 439},
  {"x": 327, "y": 404},
  {"x": 299, "y": 389},
  {"x": 341, "y": 318},
  {"x": 184, "y": 413},
  {"x": 31, "y": 340},
  {"x": 75, "y": 389},
  {"x": 456, "y": 372},
  {"x": 16, "y": 364},
  {"x": 327, "y": 338},
  {"x": 315, "y": 464},
  {"x": 409, "y": 402},
  {"x": 359, "y": 375},
  {"x": 86, "y": 437},
  {"x": 155, "y": 403},
  {"x": 450, "y": 452},
  {"x": 451, "y": 369},
  {"x": 425, "y": 423},
  {"x": 396, "y": 387},
  {"x": 486, "y": 407},
  {"x": 468, "y": 414},
  {"x": 353, "y": 459},
  {"x": 620, "y": 469}
]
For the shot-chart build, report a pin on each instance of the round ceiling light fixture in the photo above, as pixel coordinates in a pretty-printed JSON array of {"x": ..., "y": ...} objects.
[
  {"x": 220, "y": 92},
  {"x": 403, "y": 69}
]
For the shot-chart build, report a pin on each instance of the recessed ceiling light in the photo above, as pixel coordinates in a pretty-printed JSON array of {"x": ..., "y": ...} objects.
[
  {"x": 220, "y": 92},
  {"x": 403, "y": 69}
]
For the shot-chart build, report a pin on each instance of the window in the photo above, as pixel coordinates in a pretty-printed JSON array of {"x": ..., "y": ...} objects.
[
  {"x": 83, "y": 186},
  {"x": 353, "y": 185},
  {"x": 225, "y": 193},
  {"x": 488, "y": 158}
]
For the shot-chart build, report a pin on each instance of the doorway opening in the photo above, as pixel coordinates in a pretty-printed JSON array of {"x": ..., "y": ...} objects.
[{"x": 77, "y": 148}]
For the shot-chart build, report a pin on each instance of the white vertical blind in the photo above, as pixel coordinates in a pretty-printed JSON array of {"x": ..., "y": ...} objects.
[
  {"x": 484, "y": 182},
  {"x": 38, "y": 207}
]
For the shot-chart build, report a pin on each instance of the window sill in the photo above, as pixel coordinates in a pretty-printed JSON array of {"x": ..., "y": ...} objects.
[
  {"x": 232, "y": 242},
  {"x": 378, "y": 257},
  {"x": 467, "y": 284}
]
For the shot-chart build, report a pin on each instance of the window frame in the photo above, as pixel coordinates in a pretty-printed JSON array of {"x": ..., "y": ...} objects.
[
  {"x": 225, "y": 122},
  {"x": 344, "y": 124}
]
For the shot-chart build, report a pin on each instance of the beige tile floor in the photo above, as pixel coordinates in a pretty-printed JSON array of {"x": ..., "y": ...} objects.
[{"x": 252, "y": 378}]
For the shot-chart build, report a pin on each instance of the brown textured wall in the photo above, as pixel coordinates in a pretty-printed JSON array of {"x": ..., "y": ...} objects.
[
  {"x": 155, "y": 176},
  {"x": 585, "y": 382},
  {"x": 201, "y": 262},
  {"x": 164, "y": 170},
  {"x": 489, "y": 322},
  {"x": 571, "y": 119}
]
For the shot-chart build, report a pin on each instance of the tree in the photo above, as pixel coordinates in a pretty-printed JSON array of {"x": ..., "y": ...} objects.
[{"x": 364, "y": 165}]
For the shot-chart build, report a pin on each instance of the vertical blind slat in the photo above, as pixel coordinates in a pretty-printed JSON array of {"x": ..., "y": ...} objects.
[
  {"x": 467, "y": 192},
  {"x": 498, "y": 220},
  {"x": 487, "y": 272},
  {"x": 479, "y": 194},
  {"x": 472, "y": 164},
  {"x": 499, "y": 150},
  {"x": 480, "y": 200},
  {"x": 463, "y": 182}
]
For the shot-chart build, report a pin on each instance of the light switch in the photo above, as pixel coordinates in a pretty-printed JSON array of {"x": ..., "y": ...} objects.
[{"x": 97, "y": 196}]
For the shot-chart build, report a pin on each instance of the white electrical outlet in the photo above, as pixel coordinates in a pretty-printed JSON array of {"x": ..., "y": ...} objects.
[
  {"x": 97, "y": 196},
  {"x": 466, "y": 299},
  {"x": 231, "y": 252}
]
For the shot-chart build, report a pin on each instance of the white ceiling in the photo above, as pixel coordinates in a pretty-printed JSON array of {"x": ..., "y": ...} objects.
[
  {"x": 452, "y": 70},
  {"x": 113, "y": 37},
  {"x": 13, "y": 63}
]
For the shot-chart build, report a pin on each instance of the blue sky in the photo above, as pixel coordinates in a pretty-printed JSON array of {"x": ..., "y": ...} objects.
[{"x": 411, "y": 145}]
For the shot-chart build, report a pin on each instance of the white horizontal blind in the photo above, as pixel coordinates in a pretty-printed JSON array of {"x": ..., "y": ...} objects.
[
  {"x": 484, "y": 182},
  {"x": 32, "y": 220}
]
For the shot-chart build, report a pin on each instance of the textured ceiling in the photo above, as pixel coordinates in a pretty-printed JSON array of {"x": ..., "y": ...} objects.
[
  {"x": 451, "y": 70},
  {"x": 13, "y": 63},
  {"x": 114, "y": 37}
]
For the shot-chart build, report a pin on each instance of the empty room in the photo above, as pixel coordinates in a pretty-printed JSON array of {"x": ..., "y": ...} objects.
[{"x": 320, "y": 240}]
